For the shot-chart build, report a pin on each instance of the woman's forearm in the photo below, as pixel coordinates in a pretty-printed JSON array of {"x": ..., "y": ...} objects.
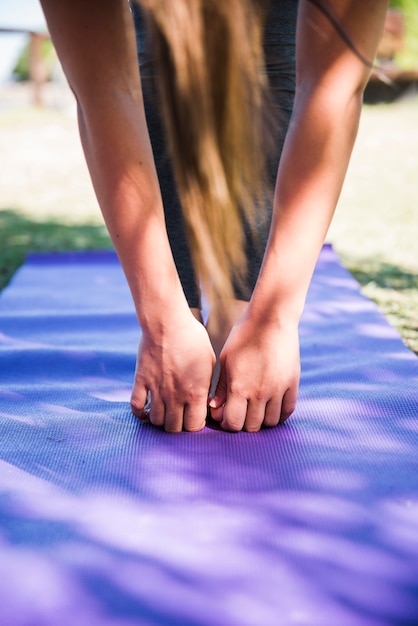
[
  {"x": 330, "y": 82},
  {"x": 126, "y": 185},
  {"x": 96, "y": 44},
  {"x": 314, "y": 163}
]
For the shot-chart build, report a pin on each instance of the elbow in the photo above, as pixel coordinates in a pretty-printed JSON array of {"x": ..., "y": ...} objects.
[{"x": 330, "y": 99}]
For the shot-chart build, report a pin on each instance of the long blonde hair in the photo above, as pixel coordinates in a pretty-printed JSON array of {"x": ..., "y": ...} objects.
[{"x": 212, "y": 86}]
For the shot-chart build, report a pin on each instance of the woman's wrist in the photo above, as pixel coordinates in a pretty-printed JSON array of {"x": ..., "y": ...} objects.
[
  {"x": 153, "y": 280},
  {"x": 274, "y": 313}
]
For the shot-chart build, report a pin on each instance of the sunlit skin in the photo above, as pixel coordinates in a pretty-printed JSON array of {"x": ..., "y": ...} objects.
[{"x": 257, "y": 343}]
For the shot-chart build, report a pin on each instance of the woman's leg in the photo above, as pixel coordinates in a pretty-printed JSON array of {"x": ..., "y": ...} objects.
[
  {"x": 172, "y": 208},
  {"x": 279, "y": 52}
]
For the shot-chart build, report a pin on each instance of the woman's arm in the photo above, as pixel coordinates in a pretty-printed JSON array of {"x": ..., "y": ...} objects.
[
  {"x": 96, "y": 45},
  {"x": 260, "y": 361}
]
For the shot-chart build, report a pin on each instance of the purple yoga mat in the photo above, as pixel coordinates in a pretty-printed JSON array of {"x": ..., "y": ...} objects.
[{"x": 105, "y": 521}]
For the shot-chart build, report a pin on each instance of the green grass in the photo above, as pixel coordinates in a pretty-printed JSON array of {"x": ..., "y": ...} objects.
[
  {"x": 407, "y": 58},
  {"x": 376, "y": 224},
  {"x": 46, "y": 199},
  {"x": 20, "y": 234}
]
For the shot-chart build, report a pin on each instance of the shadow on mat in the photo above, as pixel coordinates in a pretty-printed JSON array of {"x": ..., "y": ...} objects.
[{"x": 121, "y": 513}]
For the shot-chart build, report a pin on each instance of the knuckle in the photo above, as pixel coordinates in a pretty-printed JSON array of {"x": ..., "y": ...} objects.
[
  {"x": 172, "y": 430},
  {"x": 157, "y": 420},
  {"x": 232, "y": 425},
  {"x": 260, "y": 393},
  {"x": 196, "y": 395},
  {"x": 286, "y": 413},
  {"x": 271, "y": 421},
  {"x": 237, "y": 389},
  {"x": 194, "y": 428},
  {"x": 252, "y": 428},
  {"x": 139, "y": 378},
  {"x": 216, "y": 414},
  {"x": 137, "y": 407},
  {"x": 194, "y": 419}
]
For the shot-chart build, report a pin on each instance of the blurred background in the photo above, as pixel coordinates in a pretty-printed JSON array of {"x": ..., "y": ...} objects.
[{"x": 47, "y": 202}]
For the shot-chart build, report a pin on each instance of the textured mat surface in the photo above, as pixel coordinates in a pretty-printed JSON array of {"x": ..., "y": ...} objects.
[{"x": 105, "y": 521}]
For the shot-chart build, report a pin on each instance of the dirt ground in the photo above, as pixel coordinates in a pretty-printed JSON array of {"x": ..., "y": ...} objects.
[{"x": 43, "y": 171}]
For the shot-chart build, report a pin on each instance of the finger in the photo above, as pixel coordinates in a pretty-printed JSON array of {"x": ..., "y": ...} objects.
[
  {"x": 273, "y": 412},
  {"x": 216, "y": 412},
  {"x": 255, "y": 416},
  {"x": 139, "y": 401},
  {"x": 288, "y": 403},
  {"x": 217, "y": 402},
  {"x": 157, "y": 411},
  {"x": 195, "y": 417},
  {"x": 234, "y": 413},
  {"x": 173, "y": 421}
]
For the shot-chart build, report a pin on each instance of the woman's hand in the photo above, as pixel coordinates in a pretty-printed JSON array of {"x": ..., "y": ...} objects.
[
  {"x": 175, "y": 368},
  {"x": 260, "y": 371}
]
